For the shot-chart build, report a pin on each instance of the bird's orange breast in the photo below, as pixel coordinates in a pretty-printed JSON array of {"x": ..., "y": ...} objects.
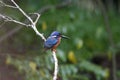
[{"x": 56, "y": 45}]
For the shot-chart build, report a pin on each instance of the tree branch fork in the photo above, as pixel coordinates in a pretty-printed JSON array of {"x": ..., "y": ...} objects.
[{"x": 32, "y": 25}]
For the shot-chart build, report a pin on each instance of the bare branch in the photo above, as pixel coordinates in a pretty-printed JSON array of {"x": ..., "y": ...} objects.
[
  {"x": 22, "y": 11},
  {"x": 37, "y": 32},
  {"x": 7, "y": 5},
  {"x": 33, "y": 24},
  {"x": 42, "y": 10},
  {"x": 12, "y": 20},
  {"x": 56, "y": 66},
  {"x": 38, "y": 16}
]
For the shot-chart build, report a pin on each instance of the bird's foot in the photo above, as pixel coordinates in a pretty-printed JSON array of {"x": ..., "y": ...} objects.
[{"x": 54, "y": 50}]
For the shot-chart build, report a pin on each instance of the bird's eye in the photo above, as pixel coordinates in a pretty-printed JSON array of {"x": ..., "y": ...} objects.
[{"x": 59, "y": 35}]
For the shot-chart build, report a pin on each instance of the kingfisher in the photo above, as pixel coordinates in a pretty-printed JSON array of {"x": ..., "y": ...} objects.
[{"x": 54, "y": 40}]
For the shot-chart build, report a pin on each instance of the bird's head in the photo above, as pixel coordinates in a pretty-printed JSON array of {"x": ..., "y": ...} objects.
[{"x": 57, "y": 34}]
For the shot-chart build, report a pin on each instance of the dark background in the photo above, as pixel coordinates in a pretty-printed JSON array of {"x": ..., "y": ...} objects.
[{"x": 91, "y": 53}]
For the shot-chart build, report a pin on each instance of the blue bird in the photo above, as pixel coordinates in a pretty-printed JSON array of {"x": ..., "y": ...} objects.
[{"x": 53, "y": 40}]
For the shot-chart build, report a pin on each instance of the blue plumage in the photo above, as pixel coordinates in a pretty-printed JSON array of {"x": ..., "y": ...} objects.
[
  {"x": 50, "y": 42},
  {"x": 55, "y": 33},
  {"x": 53, "y": 40}
]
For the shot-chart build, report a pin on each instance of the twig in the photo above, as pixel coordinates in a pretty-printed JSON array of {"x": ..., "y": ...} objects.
[
  {"x": 33, "y": 26},
  {"x": 6, "y": 18},
  {"x": 33, "y": 23},
  {"x": 42, "y": 10},
  {"x": 7, "y": 5},
  {"x": 56, "y": 66},
  {"x": 30, "y": 19},
  {"x": 110, "y": 37},
  {"x": 22, "y": 11},
  {"x": 38, "y": 16}
]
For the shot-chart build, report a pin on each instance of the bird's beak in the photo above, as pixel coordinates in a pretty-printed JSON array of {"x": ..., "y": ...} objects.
[{"x": 65, "y": 37}]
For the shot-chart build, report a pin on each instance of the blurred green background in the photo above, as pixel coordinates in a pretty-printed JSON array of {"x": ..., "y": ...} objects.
[{"x": 87, "y": 55}]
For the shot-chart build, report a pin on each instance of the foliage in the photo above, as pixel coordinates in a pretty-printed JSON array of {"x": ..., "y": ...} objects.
[{"x": 88, "y": 38}]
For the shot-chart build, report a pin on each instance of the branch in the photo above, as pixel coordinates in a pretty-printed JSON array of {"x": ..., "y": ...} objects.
[
  {"x": 42, "y": 10},
  {"x": 33, "y": 23},
  {"x": 56, "y": 65},
  {"x": 110, "y": 37},
  {"x": 22, "y": 11},
  {"x": 33, "y": 26},
  {"x": 7, "y": 5},
  {"x": 38, "y": 16},
  {"x": 6, "y": 18},
  {"x": 30, "y": 19}
]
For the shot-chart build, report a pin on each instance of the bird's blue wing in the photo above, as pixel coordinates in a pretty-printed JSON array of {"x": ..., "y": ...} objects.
[{"x": 50, "y": 42}]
